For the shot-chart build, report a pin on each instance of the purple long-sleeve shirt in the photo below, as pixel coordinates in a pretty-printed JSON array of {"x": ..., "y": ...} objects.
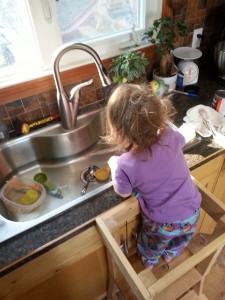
[{"x": 166, "y": 190}]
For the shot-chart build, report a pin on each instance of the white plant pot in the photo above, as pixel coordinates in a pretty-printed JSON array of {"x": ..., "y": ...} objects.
[{"x": 171, "y": 81}]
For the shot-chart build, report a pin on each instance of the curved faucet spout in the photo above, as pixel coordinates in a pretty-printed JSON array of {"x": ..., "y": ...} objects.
[{"x": 68, "y": 112}]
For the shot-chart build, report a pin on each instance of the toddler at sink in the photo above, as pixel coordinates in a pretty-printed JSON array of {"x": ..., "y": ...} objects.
[{"x": 152, "y": 165}]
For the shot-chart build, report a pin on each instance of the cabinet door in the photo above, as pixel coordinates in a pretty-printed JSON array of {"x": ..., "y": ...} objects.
[
  {"x": 76, "y": 269},
  {"x": 208, "y": 174}
]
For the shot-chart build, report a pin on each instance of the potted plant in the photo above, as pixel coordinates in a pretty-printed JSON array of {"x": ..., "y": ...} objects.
[
  {"x": 163, "y": 34},
  {"x": 128, "y": 67}
]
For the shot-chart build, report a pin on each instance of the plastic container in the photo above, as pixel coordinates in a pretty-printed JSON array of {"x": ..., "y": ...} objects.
[{"x": 24, "y": 199}]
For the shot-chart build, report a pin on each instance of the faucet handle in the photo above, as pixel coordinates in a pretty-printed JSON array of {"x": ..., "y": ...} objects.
[{"x": 74, "y": 93}]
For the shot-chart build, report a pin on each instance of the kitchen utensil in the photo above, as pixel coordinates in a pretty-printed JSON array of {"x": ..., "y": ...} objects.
[
  {"x": 90, "y": 176},
  {"x": 50, "y": 188},
  {"x": 186, "y": 93},
  {"x": 219, "y": 59},
  {"x": 192, "y": 88}
]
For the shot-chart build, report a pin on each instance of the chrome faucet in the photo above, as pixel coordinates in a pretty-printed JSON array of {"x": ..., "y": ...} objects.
[{"x": 68, "y": 105}]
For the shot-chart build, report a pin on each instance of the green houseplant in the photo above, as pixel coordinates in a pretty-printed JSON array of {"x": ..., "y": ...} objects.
[
  {"x": 128, "y": 67},
  {"x": 163, "y": 34}
]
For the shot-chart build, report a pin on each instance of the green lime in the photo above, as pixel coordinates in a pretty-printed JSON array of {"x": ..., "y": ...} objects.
[{"x": 41, "y": 178}]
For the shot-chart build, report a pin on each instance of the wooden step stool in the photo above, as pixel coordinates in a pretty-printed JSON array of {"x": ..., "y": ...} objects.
[{"x": 183, "y": 278}]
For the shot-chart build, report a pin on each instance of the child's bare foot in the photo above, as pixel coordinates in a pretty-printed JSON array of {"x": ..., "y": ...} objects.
[
  {"x": 167, "y": 260},
  {"x": 150, "y": 267}
]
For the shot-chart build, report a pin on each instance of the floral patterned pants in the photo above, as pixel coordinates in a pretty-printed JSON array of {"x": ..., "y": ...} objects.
[{"x": 164, "y": 239}]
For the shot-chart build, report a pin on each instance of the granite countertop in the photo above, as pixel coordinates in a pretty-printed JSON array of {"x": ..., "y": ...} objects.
[{"x": 33, "y": 242}]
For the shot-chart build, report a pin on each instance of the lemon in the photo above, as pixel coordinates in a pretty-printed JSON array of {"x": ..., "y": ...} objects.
[{"x": 29, "y": 197}]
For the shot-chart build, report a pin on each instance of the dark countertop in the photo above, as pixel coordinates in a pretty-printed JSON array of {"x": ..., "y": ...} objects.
[{"x": 33, "y": 242}]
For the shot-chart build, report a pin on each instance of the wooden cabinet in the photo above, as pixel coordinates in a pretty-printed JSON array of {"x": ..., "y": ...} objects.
[
  {"x": 76, "y": 269},
  {"x": 211, "y": 173}
]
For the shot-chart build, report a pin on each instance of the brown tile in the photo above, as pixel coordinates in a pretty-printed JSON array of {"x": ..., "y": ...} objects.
[
  {"x": 200, "y": 13},
  {"x": 179, "y": 12},
  {"x": 14, "y": 108},
  {"x": 3, "y": 112},
  {"x": 53, "y": 108},
  {"x": 181, "y": 41},
  {"x": 88, "y": 98},
  {"x": 202, "y": 4},
  {"x": 210, "y": 6},
  {"x": 190, "y": 14},
  {"x": 199, "y": 22},
  {"x": 192, "y": 4},
  {"x": 31, "y": 102},
  {"x": 97, "y": 82},
  {"x": 8, "y": 124},
  {"x": 47, "y": 98},
  {"x": 45, "y": 111},
  {"x": 99, "y": 95},
  {"x": 16, "y": 123},
  {"x": 190, "y": 26},
  {"x": 31, "y": 116},
  {"x": 188, "y": 39}
]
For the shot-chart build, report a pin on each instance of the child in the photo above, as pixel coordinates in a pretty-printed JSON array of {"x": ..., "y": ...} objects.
[{"x": 153, "y": 164}]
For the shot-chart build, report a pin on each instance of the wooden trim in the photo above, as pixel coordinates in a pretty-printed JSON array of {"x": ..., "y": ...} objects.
[{"x": 40, "y": 85}]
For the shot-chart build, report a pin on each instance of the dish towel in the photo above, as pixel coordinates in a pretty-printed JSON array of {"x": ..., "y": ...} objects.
[{"x": 205, "y": 120}]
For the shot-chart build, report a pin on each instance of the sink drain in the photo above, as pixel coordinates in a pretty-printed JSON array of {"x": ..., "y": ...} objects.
[{"x": 85, "y": 173}]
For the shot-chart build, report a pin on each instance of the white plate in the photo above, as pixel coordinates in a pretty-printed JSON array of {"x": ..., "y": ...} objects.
[{"x": 187, "y": 53}]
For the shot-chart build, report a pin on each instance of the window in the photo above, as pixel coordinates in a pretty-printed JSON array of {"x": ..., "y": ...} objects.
[
  {"x": 32, "y": 30},
  {"x": 88, "y": 20},
  {"x": 18, "y": 46}
]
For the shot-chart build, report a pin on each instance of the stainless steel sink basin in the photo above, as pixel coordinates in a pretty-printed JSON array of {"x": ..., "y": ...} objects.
[{"x": 64, "y": 156}]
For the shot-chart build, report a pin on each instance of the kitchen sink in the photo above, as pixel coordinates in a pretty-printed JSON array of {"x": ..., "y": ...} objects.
[{"x": 65, "y": 157}]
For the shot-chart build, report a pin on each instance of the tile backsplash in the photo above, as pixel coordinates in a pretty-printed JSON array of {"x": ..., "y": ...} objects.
[
  {"x": 208, "y": 14},
  {"x": 39, "y": 106}
]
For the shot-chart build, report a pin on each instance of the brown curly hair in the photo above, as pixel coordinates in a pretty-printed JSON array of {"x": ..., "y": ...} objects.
[{"x": 135, "y": 117}]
